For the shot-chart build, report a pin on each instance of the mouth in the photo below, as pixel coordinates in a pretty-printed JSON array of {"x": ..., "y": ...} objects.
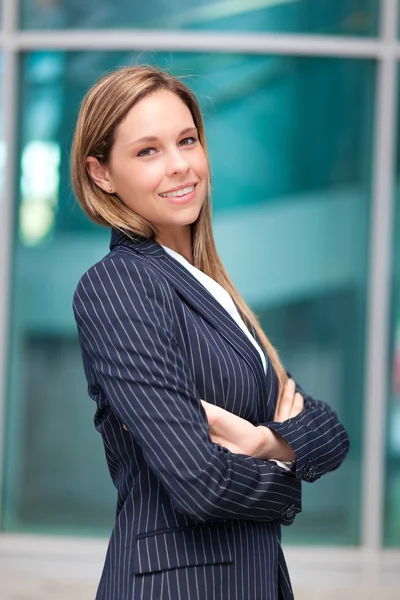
[
  {"x": 181, "y": 196},
  {"x": 179, "y": 192}
]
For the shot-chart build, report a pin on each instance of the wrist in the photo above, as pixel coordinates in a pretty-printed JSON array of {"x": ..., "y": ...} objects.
[
  {"x": 265, "y": 448},
  {"x": 273, "y": 445}
]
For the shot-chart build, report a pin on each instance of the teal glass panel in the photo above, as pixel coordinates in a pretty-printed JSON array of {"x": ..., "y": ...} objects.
[
  {"x": 290, "y": 145},
  {"x": 343, "y": 17},
  {"x": 392, "y": 496}
]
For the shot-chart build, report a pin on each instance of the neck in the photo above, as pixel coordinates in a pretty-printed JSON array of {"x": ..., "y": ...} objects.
[{"x": 180, "y": 241}]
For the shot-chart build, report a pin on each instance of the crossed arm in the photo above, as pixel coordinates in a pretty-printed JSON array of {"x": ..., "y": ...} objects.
[
  {"x": 304, "y": 430},
  {"x": 240, "y": 436}
]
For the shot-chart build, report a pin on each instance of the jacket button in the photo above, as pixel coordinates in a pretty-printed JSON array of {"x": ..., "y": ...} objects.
[
  {"x": 288, "y": 511},
  {"x": 309, "y": 471}
]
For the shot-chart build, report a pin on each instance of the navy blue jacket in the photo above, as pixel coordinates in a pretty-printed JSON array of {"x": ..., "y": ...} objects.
[{"x": 194, "y": 521}]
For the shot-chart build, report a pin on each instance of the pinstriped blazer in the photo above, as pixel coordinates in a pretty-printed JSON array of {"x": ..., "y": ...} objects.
[{"x": 193, "y": 520}]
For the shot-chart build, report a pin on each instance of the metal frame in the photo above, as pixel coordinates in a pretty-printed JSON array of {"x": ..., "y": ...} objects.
[
  {"x": 9, "y": 20},
  {"x": 195, "y": 41},
  {"x": 379, "y": 282},
  {"x": 370, "y": 558}
]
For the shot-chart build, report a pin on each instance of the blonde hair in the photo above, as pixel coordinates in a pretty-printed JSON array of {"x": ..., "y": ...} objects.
[{"x": 102, "y": 110}]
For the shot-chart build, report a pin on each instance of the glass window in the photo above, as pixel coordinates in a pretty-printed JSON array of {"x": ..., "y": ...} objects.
[
  {"x": 344, "y": 17},
  {"x": 289, "y": 140},
  {"x": 392, "y": 504}
]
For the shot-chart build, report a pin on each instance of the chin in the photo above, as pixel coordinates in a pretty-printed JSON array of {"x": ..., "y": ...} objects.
[{"x": 189, "y": 218}]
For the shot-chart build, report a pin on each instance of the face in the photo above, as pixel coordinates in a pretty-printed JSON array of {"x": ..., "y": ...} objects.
[{"x": 157, "y": 164}]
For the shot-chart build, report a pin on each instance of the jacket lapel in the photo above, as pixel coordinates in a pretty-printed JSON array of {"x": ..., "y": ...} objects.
[{"x": 200, "y": 299}]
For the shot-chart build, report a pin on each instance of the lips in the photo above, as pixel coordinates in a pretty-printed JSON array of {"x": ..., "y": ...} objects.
[
  {"x": 190, "y": 184},
  {"x": 182, "y": 199}
]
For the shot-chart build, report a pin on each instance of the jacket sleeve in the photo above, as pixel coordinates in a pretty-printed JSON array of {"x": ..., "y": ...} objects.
[
  {"x": 125, "y": 319},
  {"x": 316, "y": 436}
]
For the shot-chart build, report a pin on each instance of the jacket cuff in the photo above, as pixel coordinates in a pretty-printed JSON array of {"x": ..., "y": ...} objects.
[{"x": 303, "y": 466}]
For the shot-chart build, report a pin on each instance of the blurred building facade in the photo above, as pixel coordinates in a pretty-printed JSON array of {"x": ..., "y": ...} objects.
[{"x": 301, "y": 101}]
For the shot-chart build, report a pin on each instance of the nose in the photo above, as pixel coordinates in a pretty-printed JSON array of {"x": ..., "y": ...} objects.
[{"x": 176, "y": 162}]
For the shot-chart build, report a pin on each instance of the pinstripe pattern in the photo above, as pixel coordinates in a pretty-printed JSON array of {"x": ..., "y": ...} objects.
[{"x": 193, "y": 520}]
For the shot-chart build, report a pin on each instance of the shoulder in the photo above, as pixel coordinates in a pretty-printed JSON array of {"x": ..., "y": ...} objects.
[{"x": 121, "y": 275}]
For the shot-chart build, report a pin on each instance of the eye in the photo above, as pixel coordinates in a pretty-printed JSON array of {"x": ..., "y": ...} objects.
[
  {"x": 188, "y": 141},
  {"x": 146, "y": 152}
]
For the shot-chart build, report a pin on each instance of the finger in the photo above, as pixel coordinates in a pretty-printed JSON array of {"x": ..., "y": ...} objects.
[
  {"x": 126, "y": 429},
  {"x": 283, "y": 395},
  {"x": 206, "y": 405},
  {"x": 298, "y": 405},
  {"x": 285, "y": 404}
]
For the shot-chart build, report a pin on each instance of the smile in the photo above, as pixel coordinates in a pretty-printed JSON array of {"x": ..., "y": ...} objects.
[{"x": 178, "y": 193}]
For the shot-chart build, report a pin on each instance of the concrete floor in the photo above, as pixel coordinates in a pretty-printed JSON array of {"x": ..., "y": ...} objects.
[{"x": 16, "y": 588}]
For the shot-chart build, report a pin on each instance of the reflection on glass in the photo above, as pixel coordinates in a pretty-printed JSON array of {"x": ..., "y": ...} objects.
[
  {"x": 344, "y": 17},
  {"x": 40, "y": 162},
  {"x": 289, "y": 140}
]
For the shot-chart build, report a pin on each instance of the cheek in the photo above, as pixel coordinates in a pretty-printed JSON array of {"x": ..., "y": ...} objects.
[
  {"x": 201, "y": 165},
  {"x": 144, "y": 179}
]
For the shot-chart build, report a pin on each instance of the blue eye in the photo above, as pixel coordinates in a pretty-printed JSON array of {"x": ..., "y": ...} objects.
[
  {"x": 145, "y": 152},
  {"x": 193, "y": 140},
  {"x": 189, "y": 141}
]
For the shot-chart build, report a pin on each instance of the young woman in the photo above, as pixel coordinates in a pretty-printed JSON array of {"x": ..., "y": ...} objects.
[{"x": 207, "y": 438}]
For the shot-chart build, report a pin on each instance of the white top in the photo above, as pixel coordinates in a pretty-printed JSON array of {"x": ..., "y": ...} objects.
[{"x": 221, "y": 295}]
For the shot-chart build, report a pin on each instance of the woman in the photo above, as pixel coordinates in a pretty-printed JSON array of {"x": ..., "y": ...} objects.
[{"x": 206, "y": 438}]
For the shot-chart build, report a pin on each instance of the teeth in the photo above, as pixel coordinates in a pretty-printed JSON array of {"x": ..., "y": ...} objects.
[{"x": 178, "y": 193}]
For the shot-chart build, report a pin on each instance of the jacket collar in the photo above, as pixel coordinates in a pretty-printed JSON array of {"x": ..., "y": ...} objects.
[
  {"x": 199, "y": 298},
  {"x": 141, "y": 244}
]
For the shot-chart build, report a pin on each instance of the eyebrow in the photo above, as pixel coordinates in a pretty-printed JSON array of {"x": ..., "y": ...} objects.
[{"x": 153, "y": 138}]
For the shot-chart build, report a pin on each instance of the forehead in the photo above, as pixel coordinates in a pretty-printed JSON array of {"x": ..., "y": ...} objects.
[{"x": 160, "y": 113}]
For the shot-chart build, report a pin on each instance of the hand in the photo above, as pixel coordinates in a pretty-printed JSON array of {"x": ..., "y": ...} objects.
[
  {"x": 290, "y": 404},
  {"x": 233, "y": 432}
]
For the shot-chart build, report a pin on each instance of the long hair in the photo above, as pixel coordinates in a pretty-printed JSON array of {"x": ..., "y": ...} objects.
[{"x": 103, "y": 108}]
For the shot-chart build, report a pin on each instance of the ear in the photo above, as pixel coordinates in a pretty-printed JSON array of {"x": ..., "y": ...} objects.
[{"x": 99, "y": 174}]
